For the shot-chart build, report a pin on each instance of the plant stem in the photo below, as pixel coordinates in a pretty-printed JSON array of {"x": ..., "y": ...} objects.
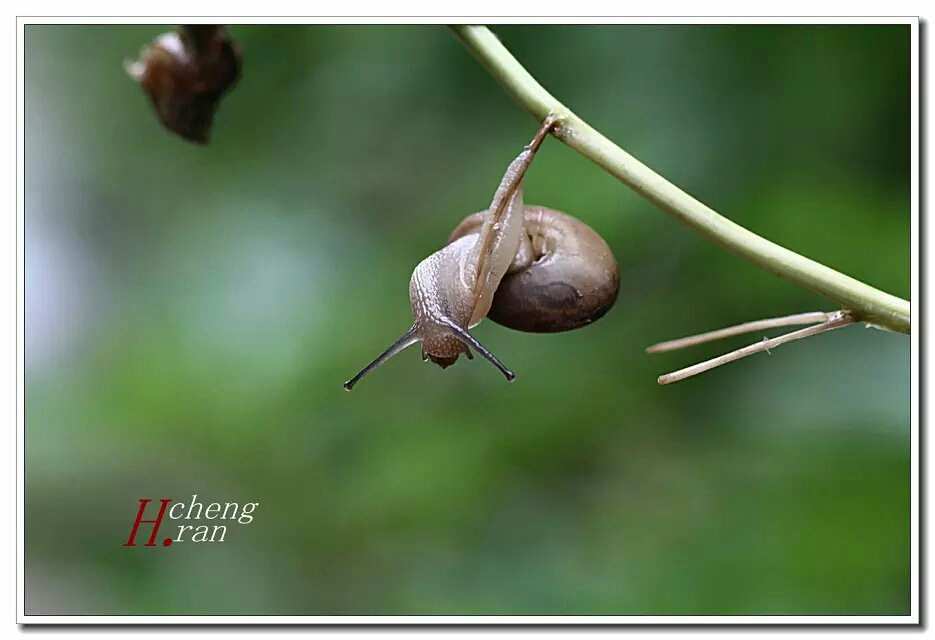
[
  {"x": 835, "y": 320},
  {"x": 866, "y": 303},
  {"x": 813, "y": 317}
]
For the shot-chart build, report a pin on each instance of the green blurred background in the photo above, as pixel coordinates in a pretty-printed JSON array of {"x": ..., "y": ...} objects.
[{"x": 192, "y": 312}]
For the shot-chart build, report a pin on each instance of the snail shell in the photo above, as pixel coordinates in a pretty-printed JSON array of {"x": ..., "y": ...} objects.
[
  {"x": 185, "y": 73},
  {"x": 563, "y": 276}
]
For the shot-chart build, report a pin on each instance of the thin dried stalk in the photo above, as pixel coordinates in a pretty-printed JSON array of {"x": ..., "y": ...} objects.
[
  {"x": 836, "y": 320},
  {"x": 813, "y": 317}
]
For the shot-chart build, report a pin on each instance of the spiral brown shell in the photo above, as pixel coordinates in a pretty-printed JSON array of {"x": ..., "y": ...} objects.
[{"x": 563, "y": 277}]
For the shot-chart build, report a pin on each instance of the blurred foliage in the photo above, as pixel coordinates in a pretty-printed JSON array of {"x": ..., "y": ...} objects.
[{"x": 192, "y": 312}]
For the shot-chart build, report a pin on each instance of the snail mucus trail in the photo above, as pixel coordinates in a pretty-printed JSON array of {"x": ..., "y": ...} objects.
[{"x": 526, "y": 267}]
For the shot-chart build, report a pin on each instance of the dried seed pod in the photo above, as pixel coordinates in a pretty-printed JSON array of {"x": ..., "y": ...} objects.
[{"x": 185, "y": 73}]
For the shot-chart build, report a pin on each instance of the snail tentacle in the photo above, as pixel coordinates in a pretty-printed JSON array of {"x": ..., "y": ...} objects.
[
  {"x": 470, "y": 341},
  {"x": 403, "y": 342}
]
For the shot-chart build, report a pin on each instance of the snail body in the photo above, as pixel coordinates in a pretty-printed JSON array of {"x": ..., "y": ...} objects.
[{"x": 526, "y": 267}]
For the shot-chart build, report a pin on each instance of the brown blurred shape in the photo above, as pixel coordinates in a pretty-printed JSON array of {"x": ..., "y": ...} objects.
[{"x": 185, "y": 73}]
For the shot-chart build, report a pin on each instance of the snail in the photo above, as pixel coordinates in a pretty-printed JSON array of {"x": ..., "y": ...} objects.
[{"x": 526, "y": 267}]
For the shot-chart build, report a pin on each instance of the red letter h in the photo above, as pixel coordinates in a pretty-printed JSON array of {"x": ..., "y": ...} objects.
[{"x": 131, "y": 541}]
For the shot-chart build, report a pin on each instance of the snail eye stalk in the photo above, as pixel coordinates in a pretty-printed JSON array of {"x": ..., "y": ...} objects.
[
  {"x": 471, "y": 342},
  {"x": 406, "y": 340}
]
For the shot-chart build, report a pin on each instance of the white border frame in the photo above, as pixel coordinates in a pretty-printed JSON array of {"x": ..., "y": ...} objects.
[{"x": 914, "y": 618}]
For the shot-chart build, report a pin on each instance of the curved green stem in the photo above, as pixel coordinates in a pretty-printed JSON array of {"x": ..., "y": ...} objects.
[{"x": 865, "y": 302}]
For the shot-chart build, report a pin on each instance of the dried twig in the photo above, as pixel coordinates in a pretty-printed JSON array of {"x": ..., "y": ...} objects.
[
  {"x": 834, "y": 320},
  {"x": 812, "y": 317}
]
